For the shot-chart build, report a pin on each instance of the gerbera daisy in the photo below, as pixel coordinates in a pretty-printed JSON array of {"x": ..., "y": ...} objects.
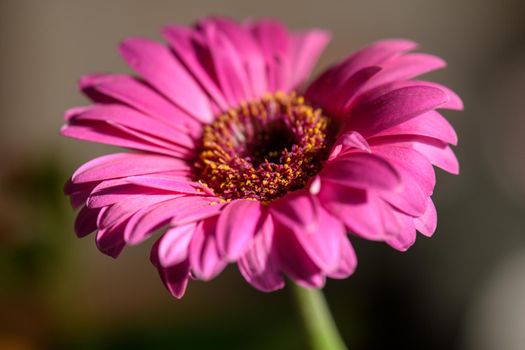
[{"x": 236, "y": 161}]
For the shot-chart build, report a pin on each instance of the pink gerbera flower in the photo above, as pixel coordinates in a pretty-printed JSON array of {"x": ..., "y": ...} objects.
[{"x": 237, "y": 162}]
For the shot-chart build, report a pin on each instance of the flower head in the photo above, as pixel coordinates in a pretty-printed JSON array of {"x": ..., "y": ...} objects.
[{"x": 237, "y": 161}]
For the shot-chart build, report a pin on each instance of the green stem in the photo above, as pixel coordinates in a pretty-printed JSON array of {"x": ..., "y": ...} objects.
[{"x": 317, "y": 319}]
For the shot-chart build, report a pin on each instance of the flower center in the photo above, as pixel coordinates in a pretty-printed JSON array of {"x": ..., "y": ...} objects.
[{"x": 264, "y": 149}]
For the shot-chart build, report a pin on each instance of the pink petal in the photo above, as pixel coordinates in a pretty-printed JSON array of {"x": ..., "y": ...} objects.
[
  {"x": 427, "y": 223},
  {"x": 370, "y": 117},
  {"x": 373, "y": 55},
  {"x": 86, "y": 221},
  {"x": 294, "y": 260},
  {"x": 361, "y": 170},
  {"x": 229, "y": 67},
  {"x": 175, "y": 277},
  {"x": 110, "y": 240},
  {"x": 414, "y": 164},
  {"x": 248, "y": 52},
  {"x": 187, "y": 44},
  {"x": 173, "y": 245},
  {"x": 165, "y": 182},
  {"x": 236, "y": 226},
  {"x": 348, "y": 141},
  {"x": 102, "y": 196},
  {"x": 358, "y": 209},
  {"x": 197, "y": 211},
  {"x": 402, "y": 233},
  {"x": 78, "y": 193},
  {"x": 102, "y": 132},
  {"x": 347, "y": 263},
  {"x": 410, "y": 199},
  {"x": 306, "y": 46},
  {"x": 315, "y": 185},
  {"x": 133, "y": 92},
  {"x": 160, "y": 68},
  {"x": 318, "y": 232},
  {"x": 139, "y": 122},
  {"x": 205, "y": 258},
  {"x": 128, "y": 206},
  {"x": 437, "y": 152},
  {"x": 149, "y": 219},
  {"x": 417, "y": 177},
  {"x": 258, "y": 265},
  {"x": 351, "y": 87},
  {"x": 430, "y": 124},
  {"x": 118, "y": 165},
  {"x": 453, "y": 101},
  {"x": 406, "y": 67},
  {"x": 274, "y": 41}
]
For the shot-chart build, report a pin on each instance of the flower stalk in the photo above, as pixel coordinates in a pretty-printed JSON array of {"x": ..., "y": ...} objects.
[{"x": 317, "y": 319}]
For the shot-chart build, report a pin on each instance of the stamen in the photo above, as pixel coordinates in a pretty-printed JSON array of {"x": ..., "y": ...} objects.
[{"x": 264, "y": 149}]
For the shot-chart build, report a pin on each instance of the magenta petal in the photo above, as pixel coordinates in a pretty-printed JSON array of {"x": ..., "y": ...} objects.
[
  {"x": 143, "y": 125},
  {"x": 359, "y": 210},
  {"x": 175, "y": 277},
  {"x": 361, "y": 170},
  {"x": 406, "y": 67},
  {"x": 205, "y": 259},
  {"x": 125, "y": 164},
  {"x": 306, "y": 48},
  {"x": 110, "y": 240},
  {"x": 123, "y": 209},
  {"x": 236, "y": 226},
  {"x": 86, "y": 221},
  {"x": 373, "y": 55},
  {"x": 228, "y": 65},
  {"x": 318, "y": 232},
  {"x": 417, "y": 177},
  {"x": 454, "y": 101},
  {"x": 439, "y": 154},
  {"x": 274, "y": 41},
  {"x": 401, "y": 231},
  {"x": 415, "y": 165},
  {"x": 78, "y": 192},
  {"x": 173, "y": 245},
  {"x": 410, "y": 199},
  {"x": 294, "y": 260},
  {"x": 248, "y": 51},
  {"x": 160, "y": 68},
  {"x": 149, "y": 219},
  {"x": 118, "y": 135},
  {"x": 102, "y": 197},
  {"x": 165, "y": 182},
  {"x": 429, "y": 124},
  {"x": 197, "y": 211},
  {"x": 349, "y": 141},
  {"x": 435, "y": 151},
  {"x": 373, "y": 116},
  {"x": 258, "y": 265},
  {"x": 351, "y": 87},
  {"x": 347, "y": 263},
  {"x": 133, "y": 92},
  {"x": 427, "y": 223},
  {"x": 188, "y": 47}
]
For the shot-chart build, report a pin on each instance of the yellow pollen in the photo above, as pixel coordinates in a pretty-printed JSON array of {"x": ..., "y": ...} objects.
[{"x": 264, "y": 148}]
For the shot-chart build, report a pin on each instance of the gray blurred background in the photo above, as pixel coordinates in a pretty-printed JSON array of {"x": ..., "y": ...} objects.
[{"x": 462, "y": 289}]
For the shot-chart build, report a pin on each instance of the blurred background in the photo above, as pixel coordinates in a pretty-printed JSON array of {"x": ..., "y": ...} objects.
[{"x": 462, "y": 289}]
